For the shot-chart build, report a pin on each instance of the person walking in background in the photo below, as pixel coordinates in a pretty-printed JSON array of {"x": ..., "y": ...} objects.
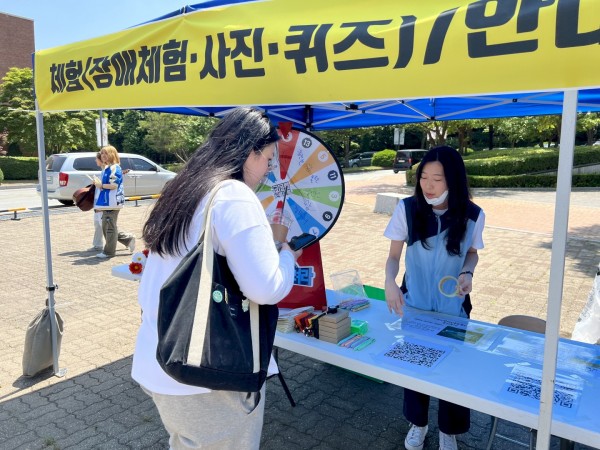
[
  {"x": 239, "y": 148},
  {"x": 442, "y": 229},
  {"x": 98, "y": 243},
  {"x": 110, "y": 200}
]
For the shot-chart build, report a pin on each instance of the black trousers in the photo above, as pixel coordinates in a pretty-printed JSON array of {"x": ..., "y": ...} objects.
[{"x": 452, "y": 419}]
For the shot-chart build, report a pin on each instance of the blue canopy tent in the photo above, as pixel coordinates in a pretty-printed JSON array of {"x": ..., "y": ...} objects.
[
  {"x": 333, "y": 116},
  {"x": 340, "y": 65}
]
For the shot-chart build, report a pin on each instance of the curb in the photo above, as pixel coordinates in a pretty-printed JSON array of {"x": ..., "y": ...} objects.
[{"x": 17, "y": 186}]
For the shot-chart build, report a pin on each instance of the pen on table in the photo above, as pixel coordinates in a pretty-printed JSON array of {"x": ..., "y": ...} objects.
[
  {"x": 365, "y": 344},
  {"x": 351, "y": 341},
  {"x": 352, "y": 336},
  {"x": 359, "y": 341}
]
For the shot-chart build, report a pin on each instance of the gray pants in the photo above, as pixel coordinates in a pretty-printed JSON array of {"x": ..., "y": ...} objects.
[
  {"x": 112, "y": 235},
  {"x": 98, "y": 233},
  {"x": 219, "y": 420}
]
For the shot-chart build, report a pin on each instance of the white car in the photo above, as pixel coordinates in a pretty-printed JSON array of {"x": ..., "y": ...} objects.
[{"x": 67, "y": 172}]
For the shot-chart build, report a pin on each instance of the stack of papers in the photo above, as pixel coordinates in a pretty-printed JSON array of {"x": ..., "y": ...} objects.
[
  {"x": 285, "y": 322},
  {"x": 355, "y": 304}
]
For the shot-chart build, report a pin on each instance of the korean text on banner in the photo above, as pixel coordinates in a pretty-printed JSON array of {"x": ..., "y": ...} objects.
[{"x": 268, "y": 52}]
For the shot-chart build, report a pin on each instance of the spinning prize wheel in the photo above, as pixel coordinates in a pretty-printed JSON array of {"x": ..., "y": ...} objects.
[{"x": 306, "y": 184}]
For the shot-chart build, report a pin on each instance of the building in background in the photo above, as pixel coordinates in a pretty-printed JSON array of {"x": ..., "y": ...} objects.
[{"x": 16, "y": 42}]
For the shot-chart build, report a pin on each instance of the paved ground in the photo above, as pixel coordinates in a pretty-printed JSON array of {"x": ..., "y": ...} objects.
[{"x": 97, "y": 405}]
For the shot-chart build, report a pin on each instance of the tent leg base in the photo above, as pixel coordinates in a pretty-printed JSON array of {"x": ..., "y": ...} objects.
[{"x": 60, "y": 373}]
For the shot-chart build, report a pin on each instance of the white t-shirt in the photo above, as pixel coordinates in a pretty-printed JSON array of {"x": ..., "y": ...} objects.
[
  {"x": 397, "y": 228},
  {"x": 240, "y": 232}
]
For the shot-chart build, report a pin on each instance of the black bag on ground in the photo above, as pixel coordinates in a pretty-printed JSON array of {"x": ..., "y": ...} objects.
[{"x": 209, "y": 335}]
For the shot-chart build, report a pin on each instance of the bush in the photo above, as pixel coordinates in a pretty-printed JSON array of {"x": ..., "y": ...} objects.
[
  {"x": 384, "y": 158},
  {"x": 175, "y": 167},
  {"x": 1, "y": 176},
  {"x": 586, "y": 180},
  {"x": 522, "y": 161},
  {"x": 520, "y": 181},
  {"x": 532, "y": 181},
  {"x": 521, "y": 168},
  {"x": 19, "y": 168},
  {"x": 516, "y": 181},
  {"x": 411, "y": 175}
]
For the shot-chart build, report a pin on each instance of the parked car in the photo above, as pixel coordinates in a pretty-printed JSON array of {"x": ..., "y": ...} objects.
[
  {"x": 361, "y": 160},
  {"x": 407, "y": 158},
  {"x": 67, "y": 172}
]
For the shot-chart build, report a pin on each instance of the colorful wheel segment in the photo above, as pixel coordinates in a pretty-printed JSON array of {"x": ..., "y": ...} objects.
[{"x": 306, "y": 185}]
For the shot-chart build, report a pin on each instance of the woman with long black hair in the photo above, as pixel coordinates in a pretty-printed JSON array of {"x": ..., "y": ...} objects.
[
  {"x": 240, "y": 149},
  {"x": 442, "y": 230}
]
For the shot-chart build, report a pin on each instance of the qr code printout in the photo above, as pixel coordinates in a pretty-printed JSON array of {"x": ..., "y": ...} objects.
[
  {"x": 416, "y": 354},
  {"x": 527, "y": 384}
]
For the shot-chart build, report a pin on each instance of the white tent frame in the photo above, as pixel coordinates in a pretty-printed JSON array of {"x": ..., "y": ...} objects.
[{"x": 557, "y": 264}]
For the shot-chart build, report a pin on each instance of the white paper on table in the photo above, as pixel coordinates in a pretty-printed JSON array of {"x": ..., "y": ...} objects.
[
  {"x": 583, "y": 360},
  {"x": 458, "y": 329},
  {"x": 414, "y": 354},
  {"x": 524, "y": 384}
]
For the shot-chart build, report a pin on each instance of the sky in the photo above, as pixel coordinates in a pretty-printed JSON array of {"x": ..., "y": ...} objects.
[{"x": 60, "y": 22}]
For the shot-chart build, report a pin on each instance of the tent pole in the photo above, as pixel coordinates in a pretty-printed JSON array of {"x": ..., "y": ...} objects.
[
  {"x": 102, "y": 142},
  {"x": 557, "y": 265},
  {"x": 50, "y": 287}
]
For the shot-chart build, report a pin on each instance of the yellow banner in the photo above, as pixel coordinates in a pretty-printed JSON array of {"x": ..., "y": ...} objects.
[{"x": 314, "y": 51}]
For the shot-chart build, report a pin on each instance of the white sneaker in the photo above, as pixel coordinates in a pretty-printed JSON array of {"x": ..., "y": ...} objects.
[
  {"x": 448, "y": 441},
  {"x": 416, "y": 437},
  {"x": 102, "y": 256},
  {"x": 131, "y": 245}
]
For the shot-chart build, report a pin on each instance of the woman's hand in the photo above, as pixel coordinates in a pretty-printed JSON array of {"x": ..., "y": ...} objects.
[
  {"x": 465, "y": 284},
  {"x": 297, "y": 253},
  {"x": 394, "y": 297}
]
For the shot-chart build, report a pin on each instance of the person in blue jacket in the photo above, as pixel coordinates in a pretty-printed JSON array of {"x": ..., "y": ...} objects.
[
  {"x": 441, "y": 229},
  {"x": 110, "y": 200}
]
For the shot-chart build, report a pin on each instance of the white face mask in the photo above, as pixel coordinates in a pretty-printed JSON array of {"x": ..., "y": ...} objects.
[{"x": 437, "y": 201}]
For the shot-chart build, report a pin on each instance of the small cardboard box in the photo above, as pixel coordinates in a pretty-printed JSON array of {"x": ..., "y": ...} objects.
[
  {"x": 340, "y": 315},
  {"x": 332, "y": 332},
  {"x": 334, "y": 338},
  {"x": 331, "y": 327}
]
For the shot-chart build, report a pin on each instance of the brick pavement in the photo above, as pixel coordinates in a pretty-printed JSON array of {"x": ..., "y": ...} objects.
[{"x": 98, "y": 406}]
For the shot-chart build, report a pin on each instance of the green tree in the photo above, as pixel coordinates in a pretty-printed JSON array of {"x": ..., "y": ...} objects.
[
  {"x": 343, "y": 142},
  {"x": 542, "y": 129},
  {"x": 174, "y": 134},
  {"x": 17, "y": 117},
  {"x": 463, "y": 129},
  {"x": 590, "y": 123},
  {"x": 63, "y": 131},
  {"x": 3, "y": 144},
  {"x": 197, "y": 130},
  {"x": 127, "y": 135},
  {"x": 436, "y": 132},
  {"x": 490, "y": 126},
  {"x": 382, "y": 137},
  {"x": 514, "y": 129}
]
